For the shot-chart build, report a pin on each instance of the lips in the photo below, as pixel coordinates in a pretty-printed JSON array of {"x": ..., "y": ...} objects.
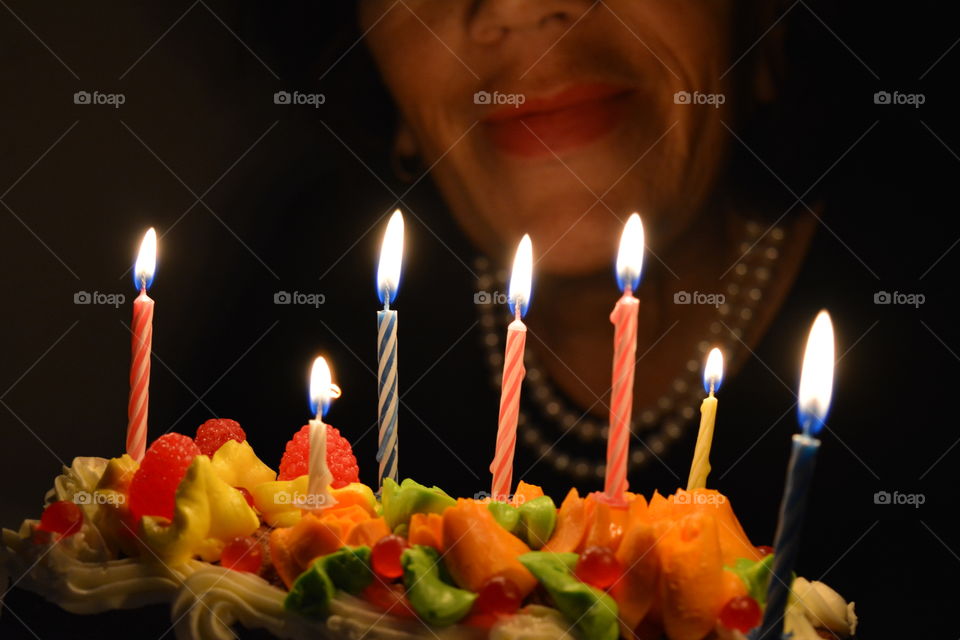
[{"x": 562, "y": 122}]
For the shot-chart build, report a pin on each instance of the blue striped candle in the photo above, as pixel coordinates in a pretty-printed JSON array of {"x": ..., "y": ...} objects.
[
  {"x": 388, "y": 400},
  {"x": 813, "y": 403},
  {"x": 388, "y": 281}
]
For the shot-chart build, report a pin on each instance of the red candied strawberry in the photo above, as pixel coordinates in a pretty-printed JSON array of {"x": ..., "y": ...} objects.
[
  {"x": 154, "y": 485},
  {"x": 213, "y": 433},
  {"x": 340, "y": 459}
]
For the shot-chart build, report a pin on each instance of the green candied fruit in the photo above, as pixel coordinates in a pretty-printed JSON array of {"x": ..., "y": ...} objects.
[
  {"x": 434, "y": 600},
  {"x": 593, "y": 612},
  {"x": 400, "y": 501},
  {"x": 538, "y": 517},
  {"x": 755, "y": 574},
  {"x": 347, "y": 569},
  {"x": 506, "y": 515}
]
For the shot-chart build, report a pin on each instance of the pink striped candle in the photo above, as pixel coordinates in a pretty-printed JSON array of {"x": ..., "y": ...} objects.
[
  {"x": 142, "y": 330},
  {"x": 624, "y": 319},
  {"x": 513, "y": 372}
]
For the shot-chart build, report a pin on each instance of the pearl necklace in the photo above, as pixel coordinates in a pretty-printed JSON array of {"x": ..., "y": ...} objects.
[{"x": 658, "y": 426}]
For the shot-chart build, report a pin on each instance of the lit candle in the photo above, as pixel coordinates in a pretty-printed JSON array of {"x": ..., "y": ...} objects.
[
  {"x": 624, "y": 319},
  {"x": 142, "y": 330},
  {"x": 813, "y": 403},
  {"x": 513, "y": 371},
  {"x": 712, "y": 376},
  {"x": 388, "y": 282},
  {"x": 322, "y": 391}
]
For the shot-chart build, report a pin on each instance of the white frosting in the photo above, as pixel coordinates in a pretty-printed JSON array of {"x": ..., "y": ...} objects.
[
  {"x": 214, "y": 599},
  {"x": 814, "y": 604}
]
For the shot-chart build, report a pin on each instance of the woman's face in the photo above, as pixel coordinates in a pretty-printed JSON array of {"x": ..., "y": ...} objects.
[{"x": 558, "y": 118}]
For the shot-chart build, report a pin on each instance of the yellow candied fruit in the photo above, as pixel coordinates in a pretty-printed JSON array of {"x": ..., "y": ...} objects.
[
  {"x": 111, "y": 514},
  {"x": 281, "y": 502},
  {"x": 208, "y": 512},
  {"x": 238, "y": 466},
  {"x": 118, "y": 473}
]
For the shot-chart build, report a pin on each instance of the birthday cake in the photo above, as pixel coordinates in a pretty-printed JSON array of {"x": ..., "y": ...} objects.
[{"x": 204, "y": 525}]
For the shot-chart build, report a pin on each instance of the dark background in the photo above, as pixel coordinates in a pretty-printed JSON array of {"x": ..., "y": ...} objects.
[{"x": 252, "y": 198}]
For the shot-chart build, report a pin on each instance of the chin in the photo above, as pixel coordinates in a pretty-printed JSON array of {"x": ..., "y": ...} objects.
[{"x": 587, "y": 248}]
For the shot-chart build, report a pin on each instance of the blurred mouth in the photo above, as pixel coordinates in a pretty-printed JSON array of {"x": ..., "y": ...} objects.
[{"x": 570, "y": 119}]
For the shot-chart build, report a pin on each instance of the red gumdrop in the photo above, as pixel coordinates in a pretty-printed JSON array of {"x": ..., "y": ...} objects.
[
  {"x": 764, "y": 550},
  {"x": 340, "y": 459},
  {"x": 246, "y": 496},
  {"x": 385, "y": 556},
  {"x": 154, "y": 485},
  {"x": 242, "y": 554},
  {"x": 498, "y": 595},
  {"x": 598, "y": 567},
  {"x": 741, "y": 613},
  {"x": 213, "y": 433},
  {"x": 63, "y": 517},
  {"x": 391, "y": 598}
]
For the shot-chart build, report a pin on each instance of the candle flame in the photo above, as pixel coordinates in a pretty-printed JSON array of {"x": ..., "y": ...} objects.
[
  {"x": 630, "y": 256},
  {"x": 816, "y": 378},
  {"x": 322, "y": 389},
  {"x": 713, "y": 371},
  {"x": 146, "y": 262},
  {"x": 391, "y": 259},
  {"x": 520, "y": 280}
]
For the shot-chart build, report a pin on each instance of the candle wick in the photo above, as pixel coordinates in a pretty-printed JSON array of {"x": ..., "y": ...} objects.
[{"x": 143, "y": 283}]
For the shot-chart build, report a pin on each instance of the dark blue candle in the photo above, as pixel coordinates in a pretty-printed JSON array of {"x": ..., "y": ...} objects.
[{"x": 813, "y": 402}]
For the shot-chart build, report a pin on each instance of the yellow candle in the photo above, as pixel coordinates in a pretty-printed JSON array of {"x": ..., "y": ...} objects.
[{"x": 712, "y": 375}]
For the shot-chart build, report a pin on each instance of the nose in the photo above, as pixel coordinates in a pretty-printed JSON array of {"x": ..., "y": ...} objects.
[{"x": 493, "y": 20}]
